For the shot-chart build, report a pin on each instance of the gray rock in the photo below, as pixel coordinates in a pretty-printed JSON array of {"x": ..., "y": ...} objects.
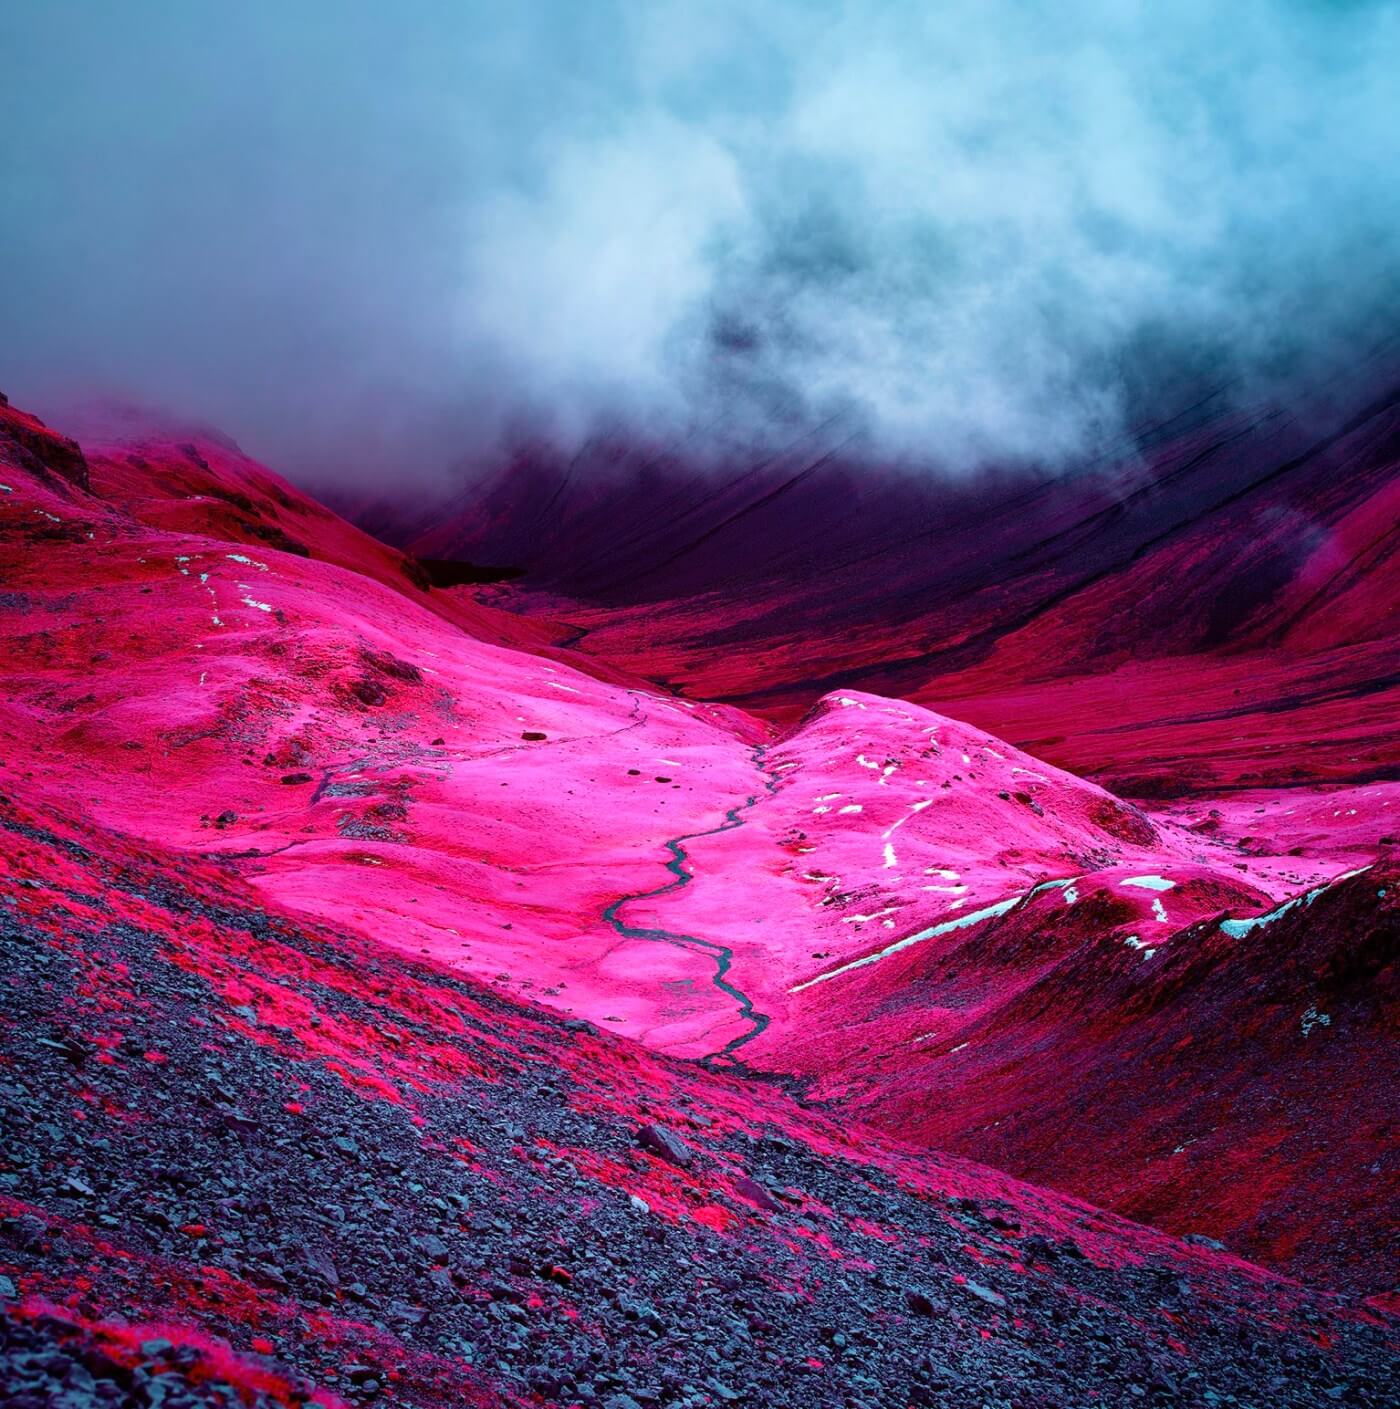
[{"x": 665, "y": 1144}]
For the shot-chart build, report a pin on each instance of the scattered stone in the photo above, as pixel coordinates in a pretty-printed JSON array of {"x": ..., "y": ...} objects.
[
  {"x": 431, "y": 1246},
  {"x": 752, "y": 1192},
  {"x": 665, "y": 1144},
  {"x": 1200, "y": 1240},
  {"x": 984, "y": 1293}
]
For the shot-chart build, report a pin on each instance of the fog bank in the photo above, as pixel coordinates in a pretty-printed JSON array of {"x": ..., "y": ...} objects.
[{"x": 367, "y": 239}]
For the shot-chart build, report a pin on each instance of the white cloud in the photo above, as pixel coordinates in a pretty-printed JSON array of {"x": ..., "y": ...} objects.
[{"x": 973, "y": 232}]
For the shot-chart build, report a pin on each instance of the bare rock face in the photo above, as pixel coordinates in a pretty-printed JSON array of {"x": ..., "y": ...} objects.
[{"x": 49, "y": 456}]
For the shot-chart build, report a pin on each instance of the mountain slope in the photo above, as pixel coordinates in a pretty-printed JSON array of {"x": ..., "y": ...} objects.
[
  {"x": 404, "y": 767},
  {"x": 1230, "y": 566},
  {"x": 364, "y": 1171}
]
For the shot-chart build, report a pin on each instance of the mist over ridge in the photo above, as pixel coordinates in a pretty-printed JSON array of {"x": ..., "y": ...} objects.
[{"x": 368, "y": 241}]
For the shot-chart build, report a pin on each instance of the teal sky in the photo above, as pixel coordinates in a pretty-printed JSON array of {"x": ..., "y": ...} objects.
[{"x": 369, "y": 238}]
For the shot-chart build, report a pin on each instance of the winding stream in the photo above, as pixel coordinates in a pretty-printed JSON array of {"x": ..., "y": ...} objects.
[{"x": 721, "y": 954}]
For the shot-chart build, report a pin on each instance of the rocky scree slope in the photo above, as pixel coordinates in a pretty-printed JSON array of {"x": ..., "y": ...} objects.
[{"x": 365, "y": 1172}]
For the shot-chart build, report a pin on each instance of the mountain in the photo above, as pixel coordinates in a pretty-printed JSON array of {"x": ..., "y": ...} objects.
[
  {"x": 1180, "y": 619},
  {"x": 408, "y": 990}
]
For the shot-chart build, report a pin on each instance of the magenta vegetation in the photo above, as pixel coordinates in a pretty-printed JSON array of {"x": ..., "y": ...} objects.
[{"x": 774, "y": 938}]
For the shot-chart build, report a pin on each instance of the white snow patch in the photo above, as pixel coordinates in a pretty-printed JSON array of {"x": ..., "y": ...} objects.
[
  {"x": 247, "y": 562},
  {"x": 1149, "y": 882},
  {"x": 883, "y": 769},
  {"x": 917, "y": 808},
  {"x": 890, "y": 861},
  {"x": 261, "y": 606},
  {"x": 850, "y": 807},
  {"x": 1236, "y": 929},
  {"x": 975, "y": 917},
  {"x": 1064, "y": 884}
]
